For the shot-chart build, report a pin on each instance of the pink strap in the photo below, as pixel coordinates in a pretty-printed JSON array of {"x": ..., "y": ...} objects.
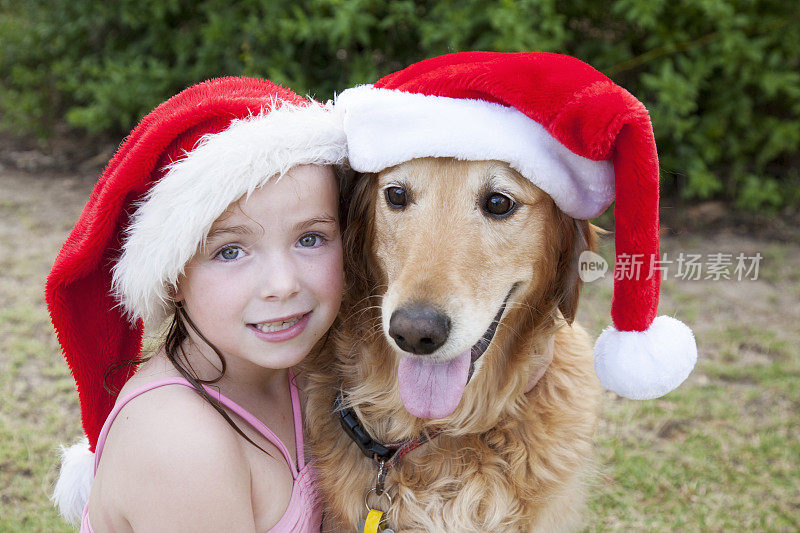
[
  {"x": 230, "y": 404},
  {"x": 298, "y": 422}
]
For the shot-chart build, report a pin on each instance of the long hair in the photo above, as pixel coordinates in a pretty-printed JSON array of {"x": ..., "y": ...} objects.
[
  {"x": 173, "y": 345},
  {"x": 177, "y": 333}
]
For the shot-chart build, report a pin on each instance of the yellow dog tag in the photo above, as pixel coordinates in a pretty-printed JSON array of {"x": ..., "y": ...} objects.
[{"x": 373, "y": 523}]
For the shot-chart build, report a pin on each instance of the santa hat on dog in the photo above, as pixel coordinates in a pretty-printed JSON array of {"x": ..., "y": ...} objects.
[
  {"x": 176, "y": 173},
  {"x": 576, "y": 135}
]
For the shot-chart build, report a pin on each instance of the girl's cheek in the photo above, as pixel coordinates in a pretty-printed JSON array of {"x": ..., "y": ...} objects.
[{"x": 331, "y": 274}]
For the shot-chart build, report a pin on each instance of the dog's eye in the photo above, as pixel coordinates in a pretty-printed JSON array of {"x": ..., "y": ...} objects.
[
  {"x": 396, "y": 197},
  {"x": 499, "y": 205}
]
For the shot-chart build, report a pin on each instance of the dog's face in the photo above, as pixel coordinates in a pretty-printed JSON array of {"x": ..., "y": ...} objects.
[
  {"x": 459, "y": 246},
  {"x": 453, "y": 239}
]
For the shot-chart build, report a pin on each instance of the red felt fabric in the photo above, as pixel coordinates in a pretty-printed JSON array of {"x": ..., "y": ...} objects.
[
  {"x": 89, "y": 324},
  {"x": 587, "y": 113}
]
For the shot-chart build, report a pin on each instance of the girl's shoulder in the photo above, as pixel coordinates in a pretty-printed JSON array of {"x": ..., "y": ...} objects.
[
  {"x": 173, "y": 415},
  {"x": 169, "y": 417},
  {"x": 170, "y": 456}
]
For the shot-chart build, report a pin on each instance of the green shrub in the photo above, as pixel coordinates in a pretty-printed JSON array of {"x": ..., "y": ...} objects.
[{"x": 721, "y": 78}]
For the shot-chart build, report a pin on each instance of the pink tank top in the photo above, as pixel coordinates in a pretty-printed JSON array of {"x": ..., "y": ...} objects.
[{"x": 303, "y": 515}]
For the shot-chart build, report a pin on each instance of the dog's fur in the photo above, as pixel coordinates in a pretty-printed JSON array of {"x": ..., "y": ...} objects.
[{"x": 506, "y": 460}]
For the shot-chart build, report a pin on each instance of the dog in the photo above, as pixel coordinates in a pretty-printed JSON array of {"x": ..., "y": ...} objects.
[{"x": 462, "y": 288}]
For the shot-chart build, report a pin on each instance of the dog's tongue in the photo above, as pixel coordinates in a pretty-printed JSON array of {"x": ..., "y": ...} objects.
[{"x": 433, "y": 390}]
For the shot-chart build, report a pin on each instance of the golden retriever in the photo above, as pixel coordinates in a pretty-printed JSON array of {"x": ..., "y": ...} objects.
[{"x": 462, "y": 284}]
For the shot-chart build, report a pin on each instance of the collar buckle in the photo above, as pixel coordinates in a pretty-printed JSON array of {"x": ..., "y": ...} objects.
[{"x": 354, "y": 429}]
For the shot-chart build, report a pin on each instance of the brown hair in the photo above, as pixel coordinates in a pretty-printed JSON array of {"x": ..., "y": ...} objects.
[
  {"x": 177, "y": 333},
  {"x": 173, "y": 344}
]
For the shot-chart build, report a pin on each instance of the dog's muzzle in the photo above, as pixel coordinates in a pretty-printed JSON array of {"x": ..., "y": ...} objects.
[{"x": 430, "y": 388}]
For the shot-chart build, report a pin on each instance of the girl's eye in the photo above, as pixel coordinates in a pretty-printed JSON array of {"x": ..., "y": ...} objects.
[
  {"x": 230, "y": 253},
  {"x": 310, "y": 241}
]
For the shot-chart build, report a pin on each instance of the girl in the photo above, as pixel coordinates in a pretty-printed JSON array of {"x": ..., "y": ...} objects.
[{"x": 220, "y": 212}]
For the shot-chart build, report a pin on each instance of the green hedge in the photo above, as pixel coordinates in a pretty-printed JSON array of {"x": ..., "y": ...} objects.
[{"x": 721, "y": 77}]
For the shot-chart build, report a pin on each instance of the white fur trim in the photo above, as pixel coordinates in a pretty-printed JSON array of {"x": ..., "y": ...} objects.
[
  {"x": 179, "y": 210},
  {"x": 386, "y": 127},
  {"x": 74, "y": 481},
  {"x": 642, "y": 365}
]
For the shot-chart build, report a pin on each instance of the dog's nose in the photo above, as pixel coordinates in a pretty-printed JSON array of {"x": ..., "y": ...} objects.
[{"x": 419, "y": 329}]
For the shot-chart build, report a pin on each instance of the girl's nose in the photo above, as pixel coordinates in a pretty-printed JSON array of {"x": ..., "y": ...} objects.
[{"x": 280, "y": 280}]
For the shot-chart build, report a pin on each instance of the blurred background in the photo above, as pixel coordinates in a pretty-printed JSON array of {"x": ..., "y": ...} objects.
[{"x": 721, "y": 79}]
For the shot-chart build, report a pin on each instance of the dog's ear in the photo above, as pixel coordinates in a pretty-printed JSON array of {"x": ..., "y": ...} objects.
[
  {"x": 358, "y": 198},
  {"x": 577, "y": 236}
]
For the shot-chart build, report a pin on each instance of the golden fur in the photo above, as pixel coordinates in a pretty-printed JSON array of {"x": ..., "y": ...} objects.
[{"x": 506, "y": 460}]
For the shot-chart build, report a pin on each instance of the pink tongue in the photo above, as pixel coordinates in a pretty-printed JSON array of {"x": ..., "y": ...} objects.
[{"x": 433, "y": 390}]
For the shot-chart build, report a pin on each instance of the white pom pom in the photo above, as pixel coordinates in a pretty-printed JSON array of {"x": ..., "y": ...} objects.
[
  {"x": 74, "y": 481},
  {"x": 642, "y": 365}
]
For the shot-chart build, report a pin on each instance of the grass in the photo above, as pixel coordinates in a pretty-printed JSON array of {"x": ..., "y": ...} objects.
[
  {"x": 718, "y": 454},
  {"x": 38, "y": 403}
]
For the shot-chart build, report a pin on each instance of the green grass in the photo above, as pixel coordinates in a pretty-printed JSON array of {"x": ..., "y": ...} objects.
[
  {"x": 38, "y": 403},
  {"x": 38, "y": 409},
  {"x": 712, "y": 457},
  {"x": 718, "y": 454}
]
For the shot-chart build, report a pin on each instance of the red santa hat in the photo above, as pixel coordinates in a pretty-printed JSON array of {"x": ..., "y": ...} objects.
[
  {"x": 576, "y": 135},
  {"x": 174, "y": 175}
]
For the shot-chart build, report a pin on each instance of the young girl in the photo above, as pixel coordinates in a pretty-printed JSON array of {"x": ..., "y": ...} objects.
[{"x": 220, "y": 212}]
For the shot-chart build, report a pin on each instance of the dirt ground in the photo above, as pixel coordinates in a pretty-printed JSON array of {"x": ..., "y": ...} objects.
[{"x": 718, "y": 454}]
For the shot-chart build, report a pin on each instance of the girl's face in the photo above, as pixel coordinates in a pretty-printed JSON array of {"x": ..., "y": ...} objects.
[{"x": 268, "y": 283}]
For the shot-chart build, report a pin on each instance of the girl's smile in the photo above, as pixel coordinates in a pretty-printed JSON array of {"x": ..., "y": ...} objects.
[{"x": 283, "y": 329}]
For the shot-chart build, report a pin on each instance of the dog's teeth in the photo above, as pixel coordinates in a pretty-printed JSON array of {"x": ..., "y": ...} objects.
[{"x": 272, "y": 327}]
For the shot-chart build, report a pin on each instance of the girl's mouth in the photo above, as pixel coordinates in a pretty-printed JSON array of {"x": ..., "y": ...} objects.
[
  {"x": 272, "y": 327},
  {"x": 281, "y": 330}
]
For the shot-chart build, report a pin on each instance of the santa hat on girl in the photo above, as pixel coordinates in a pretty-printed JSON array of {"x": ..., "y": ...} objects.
[
  {"x": 174, "y": 175},
  {"x": 572, "y": 132}
]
